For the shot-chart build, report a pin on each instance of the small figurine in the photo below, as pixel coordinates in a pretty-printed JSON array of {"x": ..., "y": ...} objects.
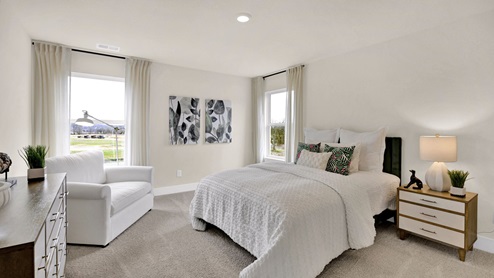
[
  {"x": 5, "y": 163},
  {"x": 414, "y": 179}
]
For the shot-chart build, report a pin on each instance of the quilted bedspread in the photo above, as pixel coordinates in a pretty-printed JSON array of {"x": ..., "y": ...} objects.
[{"x": 293, "y": 219}]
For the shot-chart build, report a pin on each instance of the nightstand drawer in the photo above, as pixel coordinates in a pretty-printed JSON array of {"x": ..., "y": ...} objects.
[
  {"x": 433, "y": 232},
  {"x": 451, "y": 220},
  {"x": 433, "y": 201}
]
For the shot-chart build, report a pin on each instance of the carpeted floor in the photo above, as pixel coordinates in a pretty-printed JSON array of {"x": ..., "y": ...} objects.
[{"x": 163, "y": 244}]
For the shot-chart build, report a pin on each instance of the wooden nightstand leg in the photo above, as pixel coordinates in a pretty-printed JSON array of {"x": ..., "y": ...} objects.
[
  {"x": 471, "y": 248},
  {"x": 461, "y": 254},
  {"x": 402, "y": 234}
]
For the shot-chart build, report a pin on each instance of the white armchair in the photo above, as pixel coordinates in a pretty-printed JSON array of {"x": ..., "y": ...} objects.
[{"x": 102, "y": 202}]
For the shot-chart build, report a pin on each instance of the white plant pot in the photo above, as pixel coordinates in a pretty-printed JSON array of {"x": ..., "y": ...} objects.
[
  {"x": 458, "y": 192},
  {"x": 4, "y": 193},
  {"x": 35, "y": 174}
]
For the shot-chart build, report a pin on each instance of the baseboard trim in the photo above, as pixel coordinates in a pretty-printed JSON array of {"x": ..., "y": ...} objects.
[
  {"x": 484, "y": 243},
  {"x": 167, "y": 190}
]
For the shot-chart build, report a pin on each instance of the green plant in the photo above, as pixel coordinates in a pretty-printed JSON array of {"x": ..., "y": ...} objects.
[
  {"x": 458, "y": 177},
  {"x": 277, "y": 136},
  {"x": 34, "y": 156}
]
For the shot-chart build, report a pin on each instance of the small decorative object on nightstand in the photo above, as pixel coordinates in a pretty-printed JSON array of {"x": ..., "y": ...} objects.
[
  {"x": 458, "y": 179},
  {"x": 414, "y": 180},
  {"x": 438, "y": 216}
]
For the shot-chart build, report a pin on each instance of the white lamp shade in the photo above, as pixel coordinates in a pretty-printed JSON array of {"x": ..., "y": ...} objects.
[{"x": 438, "y": 148}]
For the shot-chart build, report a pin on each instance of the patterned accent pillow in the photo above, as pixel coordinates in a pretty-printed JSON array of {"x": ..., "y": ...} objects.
[
  {"x": 310, "y": 147},
  {"x": 339, "y": 162},
  {"x": 314, "y": 160}
]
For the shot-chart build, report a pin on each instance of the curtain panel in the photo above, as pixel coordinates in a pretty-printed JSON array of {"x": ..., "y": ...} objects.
[
  {"x": 258, "y": 121},
  {"x": 137, "y": 95},
  {"x": 51, "y": 98},
  {"x": 294, "y": 107}
]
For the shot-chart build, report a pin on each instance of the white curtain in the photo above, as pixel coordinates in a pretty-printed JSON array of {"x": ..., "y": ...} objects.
[
  {"x": 137, "y": 94},
  {"x": 51, "y": 93},
  {"x": 294, "y": 105},
  {"x": 258, "y": 123}
]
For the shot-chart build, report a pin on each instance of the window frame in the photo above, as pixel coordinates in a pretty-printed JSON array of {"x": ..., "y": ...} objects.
[
  {"x": 268, "y": 125},
  {"x": 104, "y": 78}
]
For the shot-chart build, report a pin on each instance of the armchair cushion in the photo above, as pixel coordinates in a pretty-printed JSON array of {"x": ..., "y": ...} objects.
[
  {"x": 80, "y": 167},
  {"x": 125, "y": 193}
]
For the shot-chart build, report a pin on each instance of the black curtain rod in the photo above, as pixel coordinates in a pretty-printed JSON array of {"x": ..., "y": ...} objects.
[
  {"x": 273, "y": 74},
  {"x": 276, "y": 73},
  {"x": 94, "y": 53}
]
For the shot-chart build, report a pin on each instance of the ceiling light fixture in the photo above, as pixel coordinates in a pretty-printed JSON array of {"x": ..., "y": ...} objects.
[{"x": 243, "y": 17}]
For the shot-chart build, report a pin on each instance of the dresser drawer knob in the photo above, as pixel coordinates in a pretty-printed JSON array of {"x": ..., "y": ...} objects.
[
  {"x": 425, "y": 230},
  {"x": 429, "y": 201},
  {"x": 430, "y": 215}
]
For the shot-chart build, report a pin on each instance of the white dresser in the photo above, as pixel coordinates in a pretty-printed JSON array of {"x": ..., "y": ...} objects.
[
  {"x": 438, "y": 216},
  {"x": 33, "y": 229}
]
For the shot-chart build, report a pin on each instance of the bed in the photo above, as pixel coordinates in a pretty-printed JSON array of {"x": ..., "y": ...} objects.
[{"x": 296, "y": 219}]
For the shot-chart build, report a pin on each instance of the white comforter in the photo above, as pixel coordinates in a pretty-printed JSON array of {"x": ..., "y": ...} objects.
[{"x": 293, "y": 219}]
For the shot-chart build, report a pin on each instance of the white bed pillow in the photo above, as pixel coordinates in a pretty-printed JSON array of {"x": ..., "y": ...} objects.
[
  {"x": 371, "y": 149},
  {"x": 314, "y": 160},
  {"x": 314, "y": 136},
  {"x": 355, "y": 156}
]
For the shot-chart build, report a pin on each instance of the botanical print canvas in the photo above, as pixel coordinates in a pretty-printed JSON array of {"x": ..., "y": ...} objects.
[
  {"x": 218, "y": 121},
  {"x": 185, "y": 120}
]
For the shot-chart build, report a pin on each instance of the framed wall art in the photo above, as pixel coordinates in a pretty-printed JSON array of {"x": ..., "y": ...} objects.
[
  {"x": 218, "y": 121},
  {"x": 184, "y": 120}
]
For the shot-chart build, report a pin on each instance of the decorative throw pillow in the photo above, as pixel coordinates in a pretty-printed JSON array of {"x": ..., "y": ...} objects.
[
  {"x": 314, "y": 160},
  {"x": 313, "y": 136},
  {"x": 372, "y": 147},
  {"x": 355, "y": 156},
  {"x": 310, "y": 147},
  {"x": 339, "y": 162}
]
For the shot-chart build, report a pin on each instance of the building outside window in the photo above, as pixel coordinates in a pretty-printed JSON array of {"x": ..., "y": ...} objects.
[
  {"x": 102, "y": 97},
  {"x": 275, "y": 124}
]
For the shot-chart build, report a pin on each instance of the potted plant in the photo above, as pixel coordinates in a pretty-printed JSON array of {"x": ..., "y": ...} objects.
[
  {"x": 458, "y": 179},
  {"x": 34, "y": 156}
]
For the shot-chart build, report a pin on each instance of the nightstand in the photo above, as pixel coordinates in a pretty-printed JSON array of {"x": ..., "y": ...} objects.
[{"x": 438, "y": 216}]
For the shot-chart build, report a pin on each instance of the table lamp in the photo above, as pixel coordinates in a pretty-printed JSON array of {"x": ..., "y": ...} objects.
[{"x": 439, "y": 149}]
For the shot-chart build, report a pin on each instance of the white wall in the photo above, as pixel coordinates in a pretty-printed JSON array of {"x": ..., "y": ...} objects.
[
  {"x": 439, "y": 80},
  {"x": 97, "y": 64},
  {"x": 197, "y": 161},
  {"x": 15, "y": 89},
  {"x": 275, "y": 82}
]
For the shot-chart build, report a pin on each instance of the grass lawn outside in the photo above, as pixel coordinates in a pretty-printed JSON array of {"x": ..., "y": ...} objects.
[{"x": 107, "y": 145}]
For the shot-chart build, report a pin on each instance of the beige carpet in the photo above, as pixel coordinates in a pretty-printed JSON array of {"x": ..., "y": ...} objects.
[{"x": 163, "y": 244}]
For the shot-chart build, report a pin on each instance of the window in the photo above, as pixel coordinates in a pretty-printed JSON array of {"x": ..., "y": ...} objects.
[
  {"x": 103, "y": 98},
  {"x": 275, "y": 124}
]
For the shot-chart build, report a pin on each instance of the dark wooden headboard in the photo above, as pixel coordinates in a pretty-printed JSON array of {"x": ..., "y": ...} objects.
[{"x": 392, "y": 156}]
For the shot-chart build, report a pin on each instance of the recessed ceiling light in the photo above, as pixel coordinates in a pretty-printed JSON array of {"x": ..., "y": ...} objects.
[{"x": 243, "y": 17}]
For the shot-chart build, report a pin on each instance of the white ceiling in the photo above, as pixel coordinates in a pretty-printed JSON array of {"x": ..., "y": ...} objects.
[{"x": 204, "y": 34}]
